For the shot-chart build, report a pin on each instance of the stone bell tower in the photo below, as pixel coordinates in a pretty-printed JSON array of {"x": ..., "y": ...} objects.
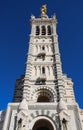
[{"x": 44, "y": 97}]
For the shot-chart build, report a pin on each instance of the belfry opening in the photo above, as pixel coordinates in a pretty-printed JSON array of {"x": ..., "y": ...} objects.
[{"x": 43, "y": 124}]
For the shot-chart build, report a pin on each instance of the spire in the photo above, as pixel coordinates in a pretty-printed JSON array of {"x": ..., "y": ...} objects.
[
  {"x": 62, "y": 105},
  {"x": 23, "y": 105}
]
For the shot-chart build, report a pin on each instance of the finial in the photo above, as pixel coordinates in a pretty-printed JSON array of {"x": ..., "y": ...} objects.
[{"x": 43, "y": 9}]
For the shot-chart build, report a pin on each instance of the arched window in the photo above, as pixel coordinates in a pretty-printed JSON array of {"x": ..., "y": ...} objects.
[
  {"x": 37, "y": 30},
  {"x": 43, "y": 70},
  {"x": 43, "y": 30},
  {"x": 48, "y": 30},
  {"x": 43, "y": 48},
  {"x": 44, "y": 95},
  {"x": 19, "y": 124}
]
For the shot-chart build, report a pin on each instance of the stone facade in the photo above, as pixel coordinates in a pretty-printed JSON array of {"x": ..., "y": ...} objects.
[{"x": 43, "y": 97}]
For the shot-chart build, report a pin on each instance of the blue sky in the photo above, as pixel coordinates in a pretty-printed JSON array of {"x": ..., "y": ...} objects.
[{"x": 14, "y": 37}]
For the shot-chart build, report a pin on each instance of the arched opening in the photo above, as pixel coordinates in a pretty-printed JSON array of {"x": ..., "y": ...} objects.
[
  {"x": 44, "y": 95},
  {"x": 43, "y": 70},
  {"x": 49, "y": 30},
  {"x": 19, "y": 123},
  {"x": 37, "y": 30},
  {"x": 43, "y": 124},
  {"x": 43, "y": 48},
  {"x": 43, "y": 98},
  {"x": 43, "y": 30}
]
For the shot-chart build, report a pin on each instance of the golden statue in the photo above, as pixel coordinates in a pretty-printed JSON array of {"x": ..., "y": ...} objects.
[{"x": 43, "y": 9}]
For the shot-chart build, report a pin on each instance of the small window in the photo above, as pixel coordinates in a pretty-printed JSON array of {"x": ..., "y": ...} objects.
[
  {"x": 43, "y": 70},
  {"x": 19, "y": 123},
  {"x": 43, "y": 48},
  {"x": 37, "y": 30},
  {"x": 43, "y": 30},
  {"x": 48, "y": 30}
]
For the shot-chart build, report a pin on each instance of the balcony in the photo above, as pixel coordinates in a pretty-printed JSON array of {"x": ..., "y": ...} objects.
[
  {"x": 42, "y": 53},
  {"x": 42, "y": 78}
]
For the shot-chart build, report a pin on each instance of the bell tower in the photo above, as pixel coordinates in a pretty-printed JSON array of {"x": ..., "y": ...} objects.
[
  {"x": 43, "y": 77},
  {"x": 43, "y": 97}
]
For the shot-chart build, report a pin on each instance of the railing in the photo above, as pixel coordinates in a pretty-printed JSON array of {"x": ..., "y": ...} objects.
[
  {"x": 42, "y": 77},
  {"x": 42, "y": 53}
]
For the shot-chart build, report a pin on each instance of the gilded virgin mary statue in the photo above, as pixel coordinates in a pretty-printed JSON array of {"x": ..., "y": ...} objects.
[{"x": 43, "y": 9}]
